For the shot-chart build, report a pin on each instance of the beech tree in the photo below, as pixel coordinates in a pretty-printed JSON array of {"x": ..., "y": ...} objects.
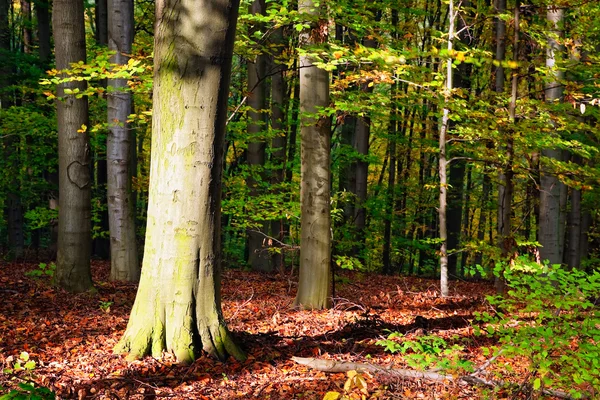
[
  {"x": 314, "y": 287},
  {"x": 121, "y": 212},
  {"x": 551, "y": 230},
  {"x": 178, "y": 307},
  {"x": 74, "y": 204}
]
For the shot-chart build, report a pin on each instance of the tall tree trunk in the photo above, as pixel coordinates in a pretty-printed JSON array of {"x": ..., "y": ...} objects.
[
  {"x": 278, "y": 143},
  {"x": 550, "y": 187},
  {"x": 74, "y": 207},
  {"x": 505, "y": 187},
  {"x": 27, "y": 26},
  {"x": 574, "y": 229},
  {"x": 101, "y": 245},
  {"x": 258, "y": 256},
  {"x": 392, "y": 132},
  {"x": 314, "y": 288},
  {"x": 178, "y": 307},
  {"x": 13, "y": 207},
  {"x": 443, "y": 163},
  {"x": 121, "y": 210},
  {"x": 42, "y": 13},
  {"x": 102, "y": 22},
  {"x": 362, "y": 137}
]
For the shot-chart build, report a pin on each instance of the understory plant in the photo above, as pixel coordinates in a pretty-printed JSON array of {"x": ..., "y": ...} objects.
[
  {"x": 429, "y": 351},
  {"x": 551, "y": 318}
]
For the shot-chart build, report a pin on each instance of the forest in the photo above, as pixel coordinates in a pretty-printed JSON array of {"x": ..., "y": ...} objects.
[{"x": 299, "y": 199}]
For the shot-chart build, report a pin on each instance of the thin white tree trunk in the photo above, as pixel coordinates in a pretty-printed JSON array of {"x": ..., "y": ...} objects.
[{"x": 443, "y": 163}]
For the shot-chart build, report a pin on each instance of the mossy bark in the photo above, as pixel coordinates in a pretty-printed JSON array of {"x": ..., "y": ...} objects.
[{"x": 177, "y": 308}]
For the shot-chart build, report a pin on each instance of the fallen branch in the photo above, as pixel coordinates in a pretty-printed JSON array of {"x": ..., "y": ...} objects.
[{"x": 472, "y": 379}]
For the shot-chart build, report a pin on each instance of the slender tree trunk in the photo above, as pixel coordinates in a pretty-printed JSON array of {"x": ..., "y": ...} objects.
[
  {"x": 101, "y": 245},
  {"x": 278, "y": 143},
  {"x": 362, "y": 137},
  {"x": 121, "y": 210},
  {"x": 42, "y": 12},
  {"x": 102, "y": 22},
  {"x": 443, "y": 163},
  {"x": 550, "y": 187},
  {"x": 27, "y": 26},
  {"x": 392, "y": 131},
  {"x": 505, "y": 187},
  {"x": 314, "y": 288},
  {"x": 74, "y": 205},
  {"x": 574, "y": 228},
  {"x": 178, "y": 307},
  {"x": 258, "y": 256}
]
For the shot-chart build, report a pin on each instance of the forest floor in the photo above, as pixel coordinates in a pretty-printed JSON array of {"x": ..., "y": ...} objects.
[{"x": 71, "y": 337}]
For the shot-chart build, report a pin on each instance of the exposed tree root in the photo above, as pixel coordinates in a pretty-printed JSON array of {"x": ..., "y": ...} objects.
[{"x": 472, "y": 379}]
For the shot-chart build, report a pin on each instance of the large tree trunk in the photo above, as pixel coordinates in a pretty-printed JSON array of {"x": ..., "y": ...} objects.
[
  {"x": 121, "y": 210},
  {"x": 314, "y": 287},
  {"x": 74, "y": 207},
  {"x": 258, "y": 256},
  {"x": 178, "y": 306},
  {"x": 550, "y": 224}
]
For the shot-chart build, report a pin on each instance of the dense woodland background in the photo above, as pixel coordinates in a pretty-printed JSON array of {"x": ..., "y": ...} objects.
[
  {"x": 461, "y": 143},
  {"x": 388, "y": 64}
]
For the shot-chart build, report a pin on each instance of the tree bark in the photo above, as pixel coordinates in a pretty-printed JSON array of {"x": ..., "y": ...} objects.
[
  {"x": 278, "y": 143},
  {"x": 505, "y": 187},
  {"x": 42, "y": 12},
  {"x": 121, "y": 211},
  {"x": 178, "y": 307},
  {"x": 27, "y": 26},
  {"x": 258, "y": 256},
  {"x": 101, "y": 244},
  {"x": 314, "y": 288},
  {"x": 74, "y": 207},
  {"x": 443, "y": 163},
  {"x": 550, "y": 187}
]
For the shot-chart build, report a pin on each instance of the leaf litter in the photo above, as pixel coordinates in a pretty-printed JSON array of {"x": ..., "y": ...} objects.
[{"x": 71, "y": 337}]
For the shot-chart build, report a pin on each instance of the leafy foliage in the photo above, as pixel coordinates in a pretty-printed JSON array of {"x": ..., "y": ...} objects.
[{"x": 551, "y": 319}]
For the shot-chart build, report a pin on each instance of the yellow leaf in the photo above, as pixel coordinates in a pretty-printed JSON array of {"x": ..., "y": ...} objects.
[
  {"x": 338, "y": 54},
  {"x": 332, "y": 396},
  {"x": 513, "y": 64},
  {"x": 82, "y": 129}
]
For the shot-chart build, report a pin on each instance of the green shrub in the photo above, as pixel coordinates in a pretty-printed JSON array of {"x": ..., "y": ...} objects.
[{"x": 550, "y": 317}]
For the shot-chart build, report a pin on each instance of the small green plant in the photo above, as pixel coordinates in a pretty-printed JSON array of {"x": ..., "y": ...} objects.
[
  {"x": 427, "y": 352},
  {"x": 549, "y": 318},
  {"x": 43, "y": 270},
  {"x": 105, "y": 306},
  {"x": 349, "y": 263},
  {"x": 23, "y": 363},
  {"x": 26, "y": 390}
]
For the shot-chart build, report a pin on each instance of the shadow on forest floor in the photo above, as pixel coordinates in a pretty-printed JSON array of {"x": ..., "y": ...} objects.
[{"x": 71, "y": 337}]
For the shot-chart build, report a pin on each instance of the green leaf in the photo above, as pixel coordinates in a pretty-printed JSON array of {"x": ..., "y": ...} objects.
[{"x": 537, "y": 384}]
